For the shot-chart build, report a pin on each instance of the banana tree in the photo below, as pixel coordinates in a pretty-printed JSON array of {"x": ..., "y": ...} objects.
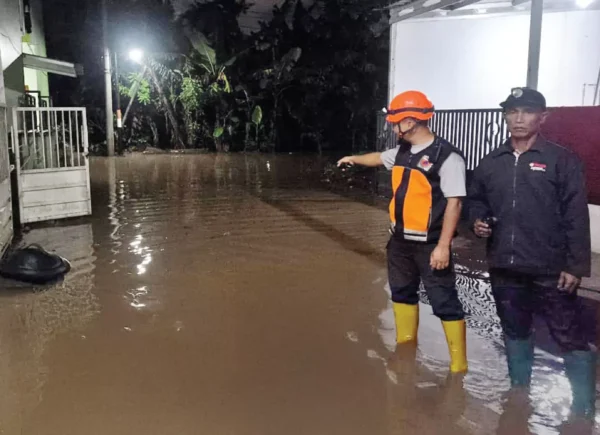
[
  {"x": 212, "y": 87},
  {"x": 168, "y": 108},
  {"x": 276, "y": 80}
]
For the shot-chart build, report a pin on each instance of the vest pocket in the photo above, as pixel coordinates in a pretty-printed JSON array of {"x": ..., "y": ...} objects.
[{"x": 417, "y": 207}]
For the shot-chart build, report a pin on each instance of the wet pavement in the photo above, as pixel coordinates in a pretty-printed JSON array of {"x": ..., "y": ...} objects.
[{"x": 231, "y": 294}]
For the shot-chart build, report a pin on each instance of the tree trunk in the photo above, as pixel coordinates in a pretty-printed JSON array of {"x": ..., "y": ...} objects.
[
  {"x": 169, "y": 110},
  {"x": 319, "y": 145},
  {"x": 190, "y": 133},
  {"x": 247, "y": 137},
  {"x": 154, "y": 129},
  {"x": 218, "y": 140},
  {"x": 274, "y": 135}
]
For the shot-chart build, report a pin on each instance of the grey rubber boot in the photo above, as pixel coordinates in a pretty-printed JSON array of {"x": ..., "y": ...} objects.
[
  {"x": 581, "y": 371},
  {"x": 519, "y": 355}
]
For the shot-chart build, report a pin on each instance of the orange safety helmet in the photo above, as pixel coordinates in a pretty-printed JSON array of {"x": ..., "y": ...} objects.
[{"x": 410, "y": 104}]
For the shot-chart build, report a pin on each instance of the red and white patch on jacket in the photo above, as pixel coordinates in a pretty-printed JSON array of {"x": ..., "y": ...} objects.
[
  {"x": 424, "y": 163},
  {"x": 540, "y": 167}
]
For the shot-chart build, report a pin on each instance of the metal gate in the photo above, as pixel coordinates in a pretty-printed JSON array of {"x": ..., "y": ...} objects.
[
  {"x": 51, "y": 149},
  {"x": 475, "y": 132},
  {"x": 6, "y": 226}
]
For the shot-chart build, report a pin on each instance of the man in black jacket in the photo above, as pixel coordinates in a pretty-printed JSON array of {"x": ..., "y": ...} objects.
[{"x": 528, "y": 198}]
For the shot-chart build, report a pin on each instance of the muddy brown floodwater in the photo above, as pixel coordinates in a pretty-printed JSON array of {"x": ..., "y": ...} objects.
[{"x": 233, "y": 295}]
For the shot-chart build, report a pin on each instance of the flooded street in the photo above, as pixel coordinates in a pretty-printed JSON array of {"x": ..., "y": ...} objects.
[{"x": 231, "y": 294}]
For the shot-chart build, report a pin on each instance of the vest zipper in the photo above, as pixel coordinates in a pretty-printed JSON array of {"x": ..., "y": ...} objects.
[{"x": 514, "y": 204}]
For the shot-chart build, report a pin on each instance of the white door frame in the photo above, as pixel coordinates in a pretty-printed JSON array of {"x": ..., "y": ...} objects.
[{"x": 6, "y": 221}]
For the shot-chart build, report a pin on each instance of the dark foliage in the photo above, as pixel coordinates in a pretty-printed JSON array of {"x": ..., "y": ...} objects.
[{"x": 310, "y": 80}]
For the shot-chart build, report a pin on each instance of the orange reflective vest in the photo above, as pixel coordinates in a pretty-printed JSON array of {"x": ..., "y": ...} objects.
[{"x": 418, "y": 204}]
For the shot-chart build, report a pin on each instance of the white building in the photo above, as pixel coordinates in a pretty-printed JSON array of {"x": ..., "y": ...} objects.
[
  {"x": 471, "y": 56},
  {"x": 24, "y": 70}
]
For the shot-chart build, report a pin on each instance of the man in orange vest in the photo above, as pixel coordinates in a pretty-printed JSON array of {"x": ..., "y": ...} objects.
[{"x": 428, "y": 184}]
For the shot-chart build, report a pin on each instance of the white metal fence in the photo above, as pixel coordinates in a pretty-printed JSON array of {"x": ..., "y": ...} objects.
[
  {"x": 51, "y": 147},
  {"x": 475, "y": 132},
  {"x": 51, "y": 137}
]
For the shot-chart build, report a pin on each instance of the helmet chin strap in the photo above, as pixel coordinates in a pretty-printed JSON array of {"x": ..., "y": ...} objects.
[{"x": 402, "y": 134}]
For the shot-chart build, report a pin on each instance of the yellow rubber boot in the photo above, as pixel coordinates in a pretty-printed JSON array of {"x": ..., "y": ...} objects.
[
  {"x": 456, "y": 336},
  {"x": 407, "y": 322}
]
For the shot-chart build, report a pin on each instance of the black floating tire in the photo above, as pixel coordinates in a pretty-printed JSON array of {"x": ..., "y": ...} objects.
[{"x": 34, "y": 265}]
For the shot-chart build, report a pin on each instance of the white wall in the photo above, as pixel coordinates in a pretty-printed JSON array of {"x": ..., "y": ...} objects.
[
  {"x": 473, "y": 63},
  {"x": 2, "y": 94},
  {"x": 10, "y": 31},
  {"x": 595, "y": 227},
  {"x": 36, "y": 80},
  {"x": 12, "y": 45},
  {"x": 5, "y": 198}
]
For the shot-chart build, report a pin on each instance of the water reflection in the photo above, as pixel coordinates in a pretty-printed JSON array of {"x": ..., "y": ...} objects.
[
  {"x": 546, "y": 409},
  {"x": 239, "y": 296},
  {"x": 30, "y": 319},
  {"x": 116, "y": 196},
  {"x": 419, "y": 379},
  {"x": 143, "y": 251},
  {"x": 137, "y": 297}
]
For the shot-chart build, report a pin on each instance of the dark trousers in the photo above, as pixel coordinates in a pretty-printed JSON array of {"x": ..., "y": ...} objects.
[
  {"x": 408, "y": 264},
  {"x": 519, "y": 296}
]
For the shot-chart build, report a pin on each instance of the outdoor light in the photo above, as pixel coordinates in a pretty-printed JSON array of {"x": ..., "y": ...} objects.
[
  {"x": 136, "y": 55},
  {"x": 584, "y": 3}
]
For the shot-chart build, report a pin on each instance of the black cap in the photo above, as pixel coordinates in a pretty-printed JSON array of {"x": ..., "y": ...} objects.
[{"x": 524, "y": 97}]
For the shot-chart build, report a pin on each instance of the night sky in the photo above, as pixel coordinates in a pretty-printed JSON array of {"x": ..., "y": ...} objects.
[
  {"x": 74, "y": 34},
  {"x": 260, "y": 10}
]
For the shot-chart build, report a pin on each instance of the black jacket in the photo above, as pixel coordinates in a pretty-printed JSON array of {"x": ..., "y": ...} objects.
[{"x": 540, "y": 202}]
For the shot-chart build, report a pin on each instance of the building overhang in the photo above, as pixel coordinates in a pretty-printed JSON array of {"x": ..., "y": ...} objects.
[
  {"x": 448, "y": 9},
  {"x": 52, "y": 66}
]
